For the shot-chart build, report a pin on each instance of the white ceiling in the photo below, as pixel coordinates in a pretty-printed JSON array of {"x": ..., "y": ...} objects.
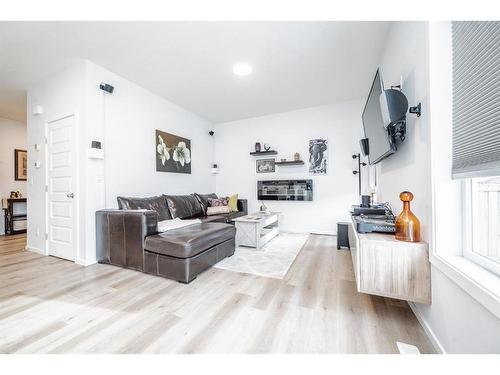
[{"x": 295, "y": 64}]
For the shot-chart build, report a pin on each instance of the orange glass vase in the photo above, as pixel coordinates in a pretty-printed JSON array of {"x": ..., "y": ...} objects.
[{"x": 407, "y": 224}]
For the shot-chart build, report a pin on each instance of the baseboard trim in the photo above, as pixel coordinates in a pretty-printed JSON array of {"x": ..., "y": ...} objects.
[
  {"x": 85, "y": 263},
  {"x": 36, "y": 250},
  {"x": 427, "y": 329}
]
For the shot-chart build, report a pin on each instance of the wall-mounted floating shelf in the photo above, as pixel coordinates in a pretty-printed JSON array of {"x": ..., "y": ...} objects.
[
  {"x": 291, "y": 162},
  {"x": 270, "y": 152}
]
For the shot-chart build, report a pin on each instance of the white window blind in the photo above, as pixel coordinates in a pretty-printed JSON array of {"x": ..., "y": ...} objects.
[{"x": 476, "y": 99}]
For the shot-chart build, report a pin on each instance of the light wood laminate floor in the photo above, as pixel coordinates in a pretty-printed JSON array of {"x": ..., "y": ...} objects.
[{"x": 49, "y": 305}]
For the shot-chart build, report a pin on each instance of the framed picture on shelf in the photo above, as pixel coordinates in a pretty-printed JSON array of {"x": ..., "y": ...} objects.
[
  {"x": 20, "y": 165},
  {"x": 265, "y": 165}
]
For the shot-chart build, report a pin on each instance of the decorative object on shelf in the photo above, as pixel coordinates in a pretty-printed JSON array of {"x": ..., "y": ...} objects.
[
  {"x": 283, "y": 160},
  {"x": 214, "y": 169},
  {"x": 15, "y": 195},
  {"x": 267, "y": 147},
  {"x": 20, "y": 165},
  {"x": 407, "y": 224},
  {"x": 265, "y": 166},
  {"x": 263, "y": 208},
  {"x": 257, "y": 146},
  {"x": 173, "y": 153},
  {"x": 318, "y": 156},
  {"x": 296, "y": 156},
  {"x": 358, "y": 171}
]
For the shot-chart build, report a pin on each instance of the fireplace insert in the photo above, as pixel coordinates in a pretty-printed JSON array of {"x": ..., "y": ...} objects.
[{"x": 285, "y": 190}]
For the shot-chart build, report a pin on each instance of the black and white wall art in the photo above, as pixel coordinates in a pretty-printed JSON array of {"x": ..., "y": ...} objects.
[
  {"x": 173, "y": 153},
  {"x": 318, "y": 156},
  {"x": 265, "y": 166}
]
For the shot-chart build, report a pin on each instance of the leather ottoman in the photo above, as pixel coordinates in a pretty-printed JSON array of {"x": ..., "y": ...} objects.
[{"x": 183, "y": 253}]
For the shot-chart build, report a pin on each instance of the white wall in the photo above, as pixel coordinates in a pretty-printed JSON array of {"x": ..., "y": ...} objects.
[
  {"x": 288, "y": 133},
  {"x": 458, "y": 322},
  {"x": 125, "y": 123},
  {"x": 130, "y": 117},
  {"x": 405, "y": 56},
  {"x": 12, "y": 136},
  {"x": 60, "y": 95}
]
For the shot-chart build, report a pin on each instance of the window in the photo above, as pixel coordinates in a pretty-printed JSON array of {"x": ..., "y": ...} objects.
[
  {"x": 476, "y": 137},
  {"x": 476, "y": 91},
  {"x": 482, "y": 222},
  {"x": 458, "y": 167}
]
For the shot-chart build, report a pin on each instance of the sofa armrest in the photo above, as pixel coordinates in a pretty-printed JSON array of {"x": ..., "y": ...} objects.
[
  {"x": 120, "y": 236},
  {"x": 243, "y": 206}
]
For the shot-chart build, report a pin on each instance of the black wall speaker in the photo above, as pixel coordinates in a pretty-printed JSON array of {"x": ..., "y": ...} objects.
[
  {"x": 96, "y": 144},
  {"x": 365, "y": 148},
  {"x": 106, "y": 87}
]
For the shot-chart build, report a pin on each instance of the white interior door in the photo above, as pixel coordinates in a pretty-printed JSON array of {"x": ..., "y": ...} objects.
[{"x": 61, "y": 186}]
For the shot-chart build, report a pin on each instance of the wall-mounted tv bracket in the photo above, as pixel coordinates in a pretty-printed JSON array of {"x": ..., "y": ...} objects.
[{"x": 397, "y": 130}]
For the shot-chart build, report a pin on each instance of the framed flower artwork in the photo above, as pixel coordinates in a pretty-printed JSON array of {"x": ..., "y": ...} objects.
[{"x": 173, "y": 153}]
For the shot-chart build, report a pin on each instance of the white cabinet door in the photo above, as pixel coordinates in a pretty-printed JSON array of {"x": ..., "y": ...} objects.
[{"x": 61, "y": 181}]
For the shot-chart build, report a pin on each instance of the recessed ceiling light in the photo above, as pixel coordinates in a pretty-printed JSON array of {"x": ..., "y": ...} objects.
[{"x": 242, "y": 69}]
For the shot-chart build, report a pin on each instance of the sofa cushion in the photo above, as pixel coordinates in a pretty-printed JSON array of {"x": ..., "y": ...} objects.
[
  {"x": 218, "y": 210},
  {"x": 203, "y": 199},
  {"x": 184, "y": 206},
  {"x": 214, "y": 219},
  {"x": 158, "y": 204},
  {"x": 217, "y": 202},
  {"x": 189, "y": 241},
  {"x": 222, "y": 218},
  {"x": 233, "y": 203}
]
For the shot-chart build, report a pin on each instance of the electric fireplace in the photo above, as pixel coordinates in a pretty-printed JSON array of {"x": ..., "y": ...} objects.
[{"x": 285, "y": 190}]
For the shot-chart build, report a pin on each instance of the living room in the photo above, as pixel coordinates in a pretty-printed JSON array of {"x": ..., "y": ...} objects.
[{"x": 194, "y": 187}]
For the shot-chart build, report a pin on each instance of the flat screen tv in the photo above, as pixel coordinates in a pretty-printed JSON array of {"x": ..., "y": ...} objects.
[{"x": 380, "y": 143}]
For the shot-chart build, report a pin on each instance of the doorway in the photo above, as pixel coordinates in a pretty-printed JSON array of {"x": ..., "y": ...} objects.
[{"x": 62, "y": 215}]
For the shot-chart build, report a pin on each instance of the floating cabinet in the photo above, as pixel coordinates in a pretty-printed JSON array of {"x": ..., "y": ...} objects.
[{"x": 387, "y": 267}]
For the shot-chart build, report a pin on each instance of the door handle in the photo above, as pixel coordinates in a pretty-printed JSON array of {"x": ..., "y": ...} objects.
[{"x": 70, "y": 195}]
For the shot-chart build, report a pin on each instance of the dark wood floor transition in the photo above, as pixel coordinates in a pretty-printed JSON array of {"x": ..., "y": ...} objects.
[{"x": 48, "y": 305}]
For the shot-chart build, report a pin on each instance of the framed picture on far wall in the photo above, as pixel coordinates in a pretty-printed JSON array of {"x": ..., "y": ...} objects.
[
  {"x": 20, "y": 165},
  {"x": 265, "y": 165},
  {"x": 318, "y": 156}
]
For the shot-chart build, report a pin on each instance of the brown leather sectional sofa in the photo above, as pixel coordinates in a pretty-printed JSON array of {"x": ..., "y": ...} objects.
[{"x": 128, "y": 237}]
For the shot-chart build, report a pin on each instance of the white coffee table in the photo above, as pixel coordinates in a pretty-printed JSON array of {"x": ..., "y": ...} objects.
[{"x": 257, "y": 229}]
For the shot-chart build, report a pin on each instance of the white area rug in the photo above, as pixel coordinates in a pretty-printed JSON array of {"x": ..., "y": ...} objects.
[{"x": 273, "y": 260}]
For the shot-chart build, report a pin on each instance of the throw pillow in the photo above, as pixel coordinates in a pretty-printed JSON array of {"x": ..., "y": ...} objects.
[
  {"x": 223, "y": 201},
  {"x": 203, "y": 199},
  {"x": 233, "y": 203},
  {"x": 217, "y": 210}
]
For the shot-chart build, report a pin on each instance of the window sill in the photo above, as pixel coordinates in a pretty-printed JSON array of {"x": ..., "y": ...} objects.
[{"x": 479, "y": 283}]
